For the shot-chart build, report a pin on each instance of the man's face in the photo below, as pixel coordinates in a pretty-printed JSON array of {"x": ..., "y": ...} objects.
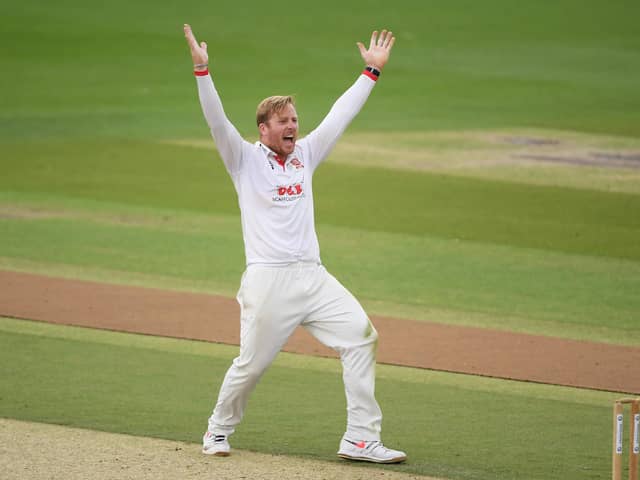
[{"x": 280, "y": 132}]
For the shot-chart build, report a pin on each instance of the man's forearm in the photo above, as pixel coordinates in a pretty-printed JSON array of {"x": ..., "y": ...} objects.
[
  {"x": 343, "y": 111},
  {"x": 228, "y": 140},
  {"x": 210, "y": 101},
  {"x": 350, "y": 102}
]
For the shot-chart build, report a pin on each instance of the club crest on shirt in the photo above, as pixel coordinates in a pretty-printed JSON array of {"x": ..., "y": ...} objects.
[{"x": 297, "y": 163}]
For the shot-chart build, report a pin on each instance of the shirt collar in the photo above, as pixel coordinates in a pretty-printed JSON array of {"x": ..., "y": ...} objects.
[
  {"x": 270, "y": 153},
  {"x": 266, "y": 149}
]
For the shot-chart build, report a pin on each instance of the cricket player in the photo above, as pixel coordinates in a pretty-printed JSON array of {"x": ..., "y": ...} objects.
[{"x": 285, "y": 284}]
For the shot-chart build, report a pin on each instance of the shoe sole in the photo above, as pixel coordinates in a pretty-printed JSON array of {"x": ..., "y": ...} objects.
[
  {"x": 217, "y": 454},
  {"x": 372, "y": 460}
]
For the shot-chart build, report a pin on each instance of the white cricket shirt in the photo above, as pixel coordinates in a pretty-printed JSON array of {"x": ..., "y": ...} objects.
[{"x": 275, "y": 197}]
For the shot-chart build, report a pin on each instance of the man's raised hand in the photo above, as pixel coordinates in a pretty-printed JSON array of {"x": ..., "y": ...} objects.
[
  {"x": 199, "y": 53},
  {"x": 379, "y": 49}
]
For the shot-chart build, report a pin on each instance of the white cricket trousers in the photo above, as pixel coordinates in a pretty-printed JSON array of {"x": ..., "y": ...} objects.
[{"x": 274, "y": 300}]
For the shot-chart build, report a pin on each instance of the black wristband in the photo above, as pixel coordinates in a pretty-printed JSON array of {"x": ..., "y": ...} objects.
[{"x": 373, "y": 71}]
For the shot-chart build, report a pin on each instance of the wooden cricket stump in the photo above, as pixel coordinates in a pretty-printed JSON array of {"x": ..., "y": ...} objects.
[{"x": 618, "y": 437}]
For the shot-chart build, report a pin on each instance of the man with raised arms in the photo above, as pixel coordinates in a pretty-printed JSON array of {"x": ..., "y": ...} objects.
[{"x": 285, "y": 284}]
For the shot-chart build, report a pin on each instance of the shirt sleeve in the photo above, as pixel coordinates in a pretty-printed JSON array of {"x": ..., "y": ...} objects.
[
  {"x": 322, "y": 140},
  {"x": 228, "y": 140}
]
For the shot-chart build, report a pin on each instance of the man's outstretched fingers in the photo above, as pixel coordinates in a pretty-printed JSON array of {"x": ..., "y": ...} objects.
[
  {"x": 374, "y": 36},
  {"x": 382, "y": 37},
  {"x": 362, "y": 48},
  {"x": 379, "y": 49},
  {"x": 391, "y": 42},
  {"x": 199, "y": 53},
  {"x": 189, "y": 35},
  {"x": 387, "y": 41}
]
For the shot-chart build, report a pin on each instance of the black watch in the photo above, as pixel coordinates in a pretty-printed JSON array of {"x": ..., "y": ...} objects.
[{"x": 374, "y": 71}]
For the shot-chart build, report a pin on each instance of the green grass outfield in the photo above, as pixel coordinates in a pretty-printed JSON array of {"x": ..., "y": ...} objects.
[
  {"x": 122, "y": 69},
  {"x": 491, "y": 180},
  {"x": 452, "y": 426},
  {"x": 426, "y": 277}
]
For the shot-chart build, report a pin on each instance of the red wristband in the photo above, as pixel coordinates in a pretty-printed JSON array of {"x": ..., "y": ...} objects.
[
  {"x": 369, "y": 74},
  {"x": 201, "y": 73}
]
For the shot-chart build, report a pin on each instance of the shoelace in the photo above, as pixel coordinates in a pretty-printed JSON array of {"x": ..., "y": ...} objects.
[
  {"x": 378, "y": 445},
  {"x": 216, "y": 438}
]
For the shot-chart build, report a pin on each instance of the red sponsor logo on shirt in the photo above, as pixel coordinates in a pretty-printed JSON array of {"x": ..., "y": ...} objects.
[
  {"x": 288, "y": 193},
  {"x": 290, "y": 190}
]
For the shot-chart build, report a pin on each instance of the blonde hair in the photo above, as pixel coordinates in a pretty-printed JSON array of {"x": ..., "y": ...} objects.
[{"x": 271, "y": 105}]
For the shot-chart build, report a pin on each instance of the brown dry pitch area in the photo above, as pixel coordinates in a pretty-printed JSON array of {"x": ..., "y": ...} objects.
[
  {"x": 38, "y": 451},
  {"x": 402, "y": 342}
]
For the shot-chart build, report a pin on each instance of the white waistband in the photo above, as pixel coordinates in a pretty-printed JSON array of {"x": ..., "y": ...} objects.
[{"x": 298, "y": 263}]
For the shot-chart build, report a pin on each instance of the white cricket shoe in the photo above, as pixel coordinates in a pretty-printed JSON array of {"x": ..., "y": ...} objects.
[
  {"x": 217, "y": 445},
  {"x": 371, "y": 451}
]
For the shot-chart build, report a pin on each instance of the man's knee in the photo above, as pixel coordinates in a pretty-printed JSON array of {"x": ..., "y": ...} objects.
[
  {"x": 370, "y": 332},
  {"x": 250, "y": 370}
]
